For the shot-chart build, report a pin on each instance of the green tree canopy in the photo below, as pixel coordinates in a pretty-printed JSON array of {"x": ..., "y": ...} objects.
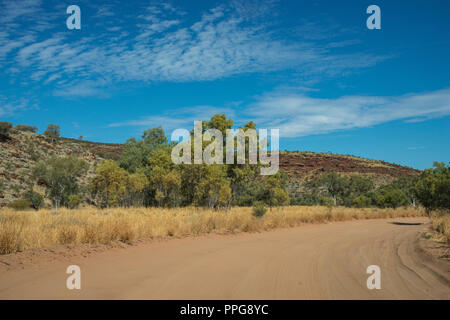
[
  {"x": 5, "y": 127},
  {"x": 135, "y": 153},
  {"x": 60, "y": 176},
  {"x": 433, "y": 187},
  {"x": 52, "y": 131}
]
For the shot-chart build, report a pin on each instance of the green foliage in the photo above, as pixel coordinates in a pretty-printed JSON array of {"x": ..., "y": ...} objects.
[
  {"x": 344, "y": 189},
  {"x": 135, "y": 153},
  {"x": 305, "y": 199},
  {"x": 259, "y": 209},
  {"x": 213, "y": 188},
  {"x": 326, "y": 201},
  {"x": 245, "y": 184},
  {"x": 433, "y": 187},
  {"x": 36, "y": 200},
  {"x": 154, "y": 137},
  {"x": 114, "y": 186},
  {"x": 333, "y": 184},
  {"x": 26, "y": 128},
  {"x": 52, "y": 131},
  {"x": 60, "y": 176},
  {"x": 390, "y": 196},
  {"x": 361, "y": 202},
  {"x": 407, "y": 185},
  {"x": 20, "y": 205},
  {"x": 165, "y": 177},
  {"x": 274, "y": 193},
  {"x": 73, "y": 201},
  {"x": 221, "y": 123},
  {"x": 165, "y": 184},
  {"x": 5, "y": 127},
  {"x": 109, "y": 185}
]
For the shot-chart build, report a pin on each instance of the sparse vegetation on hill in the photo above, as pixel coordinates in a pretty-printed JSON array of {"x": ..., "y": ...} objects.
[
  {"x": 60, "y": 177},
  {"x": 5, "y": 128},
  {"x": 27, "y": 128},
  {"x": 21, "y": 152},
  {"x": 52, "y": 131},
  {"x": 141, "y": 173}
]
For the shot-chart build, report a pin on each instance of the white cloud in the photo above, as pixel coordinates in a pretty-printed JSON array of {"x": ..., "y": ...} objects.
[
  {"x": 299, "y": 115},
  {"x": 165, "y": 46},
  {"x": 82, "y": 89},
  {"x": 12, "y": 10},
  {"x": 9, "y": 106}
]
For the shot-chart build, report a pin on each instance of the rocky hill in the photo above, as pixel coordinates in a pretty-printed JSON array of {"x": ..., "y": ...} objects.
[
  {"x": 20, "y": 153},
  {"x": 301, "y": 166},
  {"x": 23, "y": 150}
]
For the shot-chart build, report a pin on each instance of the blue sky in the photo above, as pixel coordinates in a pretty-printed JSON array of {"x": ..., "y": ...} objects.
[{"x": 310, "y": 68}]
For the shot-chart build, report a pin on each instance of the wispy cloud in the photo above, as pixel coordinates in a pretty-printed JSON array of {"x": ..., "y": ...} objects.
[
  {"x": 9, "y": 106},
  {"x": 161, "y": 45},
  {"x": 296, "y": 114},
  {"x": 299, "y": 115}
]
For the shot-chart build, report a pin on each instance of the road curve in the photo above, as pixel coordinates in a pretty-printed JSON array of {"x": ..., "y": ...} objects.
[{"x": 308, "y": 262}]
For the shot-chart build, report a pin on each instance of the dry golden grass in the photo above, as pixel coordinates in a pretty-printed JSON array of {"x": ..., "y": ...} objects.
[
  {"x": 441, "y": 223},
  {"x": 36, "y": 229}
]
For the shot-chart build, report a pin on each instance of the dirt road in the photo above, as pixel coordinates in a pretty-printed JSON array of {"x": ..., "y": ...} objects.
[{"x": 309, "y": 262}]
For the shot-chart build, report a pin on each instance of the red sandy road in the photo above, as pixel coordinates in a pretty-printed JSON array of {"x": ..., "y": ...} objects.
[{"x": 309, "y": 262}]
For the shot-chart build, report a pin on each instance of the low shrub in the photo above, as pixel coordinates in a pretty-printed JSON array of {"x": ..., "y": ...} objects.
[
  {"x": 20, "y": 204},
  {"x": 5, "y": 127},
  {"x": 35, "y": 199},
  {"x": 259, "y": 209},
  {"x": 74, "y": 201},
  {"x": 361, "y": 202},
  {"x": 26, "y": 128}
]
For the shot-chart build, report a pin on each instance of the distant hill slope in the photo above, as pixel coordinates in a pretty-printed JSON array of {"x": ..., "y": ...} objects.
[
  {"x": 23, "y": 150},
  {"x": 306, "y": 165},
  {"x": 20, "y": 153}
]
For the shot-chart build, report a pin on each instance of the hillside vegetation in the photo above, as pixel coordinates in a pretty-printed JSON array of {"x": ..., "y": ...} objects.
[{"x": 20, "y": 153}]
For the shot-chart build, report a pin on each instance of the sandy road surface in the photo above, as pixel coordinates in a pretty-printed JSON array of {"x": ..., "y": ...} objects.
[{"x": 309, "y": 262}]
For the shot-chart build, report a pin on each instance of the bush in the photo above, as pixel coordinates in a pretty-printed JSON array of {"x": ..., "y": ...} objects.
[
  {"x": 433, "y": 188},
  {"x": 20, "y": 205},
  {"x": 326, "y": 201},
  {"x": 259, "y": 209},
  {"x": 390, "y": 197},
  {"x": 52, "y": 131},
  {"x": 60, "y": 176},
  {"x": 36, "y": 200},
  {"x": 26, "y": 128},
  {"x": 361, "y": 202},
  {"x": 5, "y": 127},
  {"x": 74, "y": 201}
]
